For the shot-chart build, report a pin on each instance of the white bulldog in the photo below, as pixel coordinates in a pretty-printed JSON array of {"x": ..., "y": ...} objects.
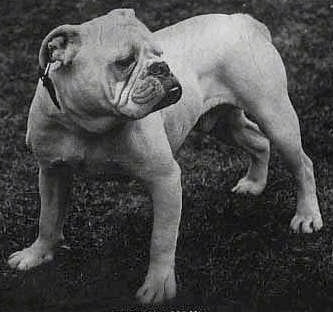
[{"x": 100, "y": 102}]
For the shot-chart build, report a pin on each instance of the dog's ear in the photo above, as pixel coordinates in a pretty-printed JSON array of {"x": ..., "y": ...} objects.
[
  {"x": 61, "y": 44},
  {"x": 127, "y": 13}
]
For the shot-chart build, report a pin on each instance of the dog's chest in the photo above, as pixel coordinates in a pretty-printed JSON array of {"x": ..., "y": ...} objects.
[{"x": 84, "y": 152}]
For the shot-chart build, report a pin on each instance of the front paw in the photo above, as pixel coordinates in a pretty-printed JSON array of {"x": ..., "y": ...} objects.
[
  {"x": 159, "y": 286},
  {"x": 30, "y": 257}
]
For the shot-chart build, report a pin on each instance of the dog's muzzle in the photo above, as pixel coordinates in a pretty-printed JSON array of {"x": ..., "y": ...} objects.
[{"x": 169, "y": 82}]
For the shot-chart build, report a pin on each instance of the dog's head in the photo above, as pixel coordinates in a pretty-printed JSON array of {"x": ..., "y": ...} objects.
[{"x": 109, "y": 66}]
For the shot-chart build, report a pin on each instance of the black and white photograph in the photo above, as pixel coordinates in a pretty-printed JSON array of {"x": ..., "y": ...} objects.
[{"x": 166, "y": 155}]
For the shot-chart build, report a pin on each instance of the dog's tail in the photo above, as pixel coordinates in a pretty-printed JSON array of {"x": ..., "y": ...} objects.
[{"x": 256, "y": 25}]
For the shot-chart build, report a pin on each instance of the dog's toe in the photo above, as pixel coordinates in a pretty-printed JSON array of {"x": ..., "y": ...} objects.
[
  {"x": 157, "y": 289},
  {"x": 306, "y": 224},
  {"x": 14, "y": 254},
  {"x": 145, "y": 294},
  {"x": 317, "y": 223},
  {"x": 13, "y": 261}
]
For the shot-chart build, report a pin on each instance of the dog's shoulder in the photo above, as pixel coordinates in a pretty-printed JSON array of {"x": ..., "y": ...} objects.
[{"x": 46, "y": 136}]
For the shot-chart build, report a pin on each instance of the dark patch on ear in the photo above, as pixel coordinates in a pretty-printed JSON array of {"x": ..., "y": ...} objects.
[
  {"x": 61, "y": 44},
  {"x": 56, "y": 48}
]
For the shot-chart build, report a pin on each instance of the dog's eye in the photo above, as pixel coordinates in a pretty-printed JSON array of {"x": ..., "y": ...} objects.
[{"x": 126, "y": 62}]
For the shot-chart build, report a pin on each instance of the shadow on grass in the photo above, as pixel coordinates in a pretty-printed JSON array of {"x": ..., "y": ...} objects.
[{"x": 105, "y": 279}]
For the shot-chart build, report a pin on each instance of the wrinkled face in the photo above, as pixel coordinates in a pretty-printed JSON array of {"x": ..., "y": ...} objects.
[{"x": 109, "y": 66}]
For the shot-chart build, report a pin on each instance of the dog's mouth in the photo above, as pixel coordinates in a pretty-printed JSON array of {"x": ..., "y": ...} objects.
[
  {"x": 173, "y": 94},
  {"x": 155, "y": 88},
  {"x": 157, "y": 91}
]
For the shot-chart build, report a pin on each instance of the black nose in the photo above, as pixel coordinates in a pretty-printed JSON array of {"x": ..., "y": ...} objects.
[{"x": 159, "y": 69}]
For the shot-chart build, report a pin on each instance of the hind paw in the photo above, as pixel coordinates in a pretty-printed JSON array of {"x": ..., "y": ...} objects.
[{"x": 247, "y": 186}]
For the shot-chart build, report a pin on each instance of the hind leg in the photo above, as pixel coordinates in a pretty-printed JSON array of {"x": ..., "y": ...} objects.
[
  {"x": 258, "y": 77},
  {"x": 248, "y": 136},
  {"x": 281, "y": 126}
]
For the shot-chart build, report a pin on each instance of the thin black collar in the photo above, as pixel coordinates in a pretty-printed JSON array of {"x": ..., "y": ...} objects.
[{"x": 48, "y": 84}]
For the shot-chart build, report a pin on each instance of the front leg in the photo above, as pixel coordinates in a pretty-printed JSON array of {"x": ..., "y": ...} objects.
[
  {"x": 54, "y": 185},
  {"x": 166, "y": 194}
]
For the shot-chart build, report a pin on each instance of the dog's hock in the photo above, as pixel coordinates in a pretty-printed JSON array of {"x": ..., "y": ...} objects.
[{"x": 61, "y": 44}]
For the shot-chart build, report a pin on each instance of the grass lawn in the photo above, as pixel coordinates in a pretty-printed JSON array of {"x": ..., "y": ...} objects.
[{"x": 235, "y": 253}]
